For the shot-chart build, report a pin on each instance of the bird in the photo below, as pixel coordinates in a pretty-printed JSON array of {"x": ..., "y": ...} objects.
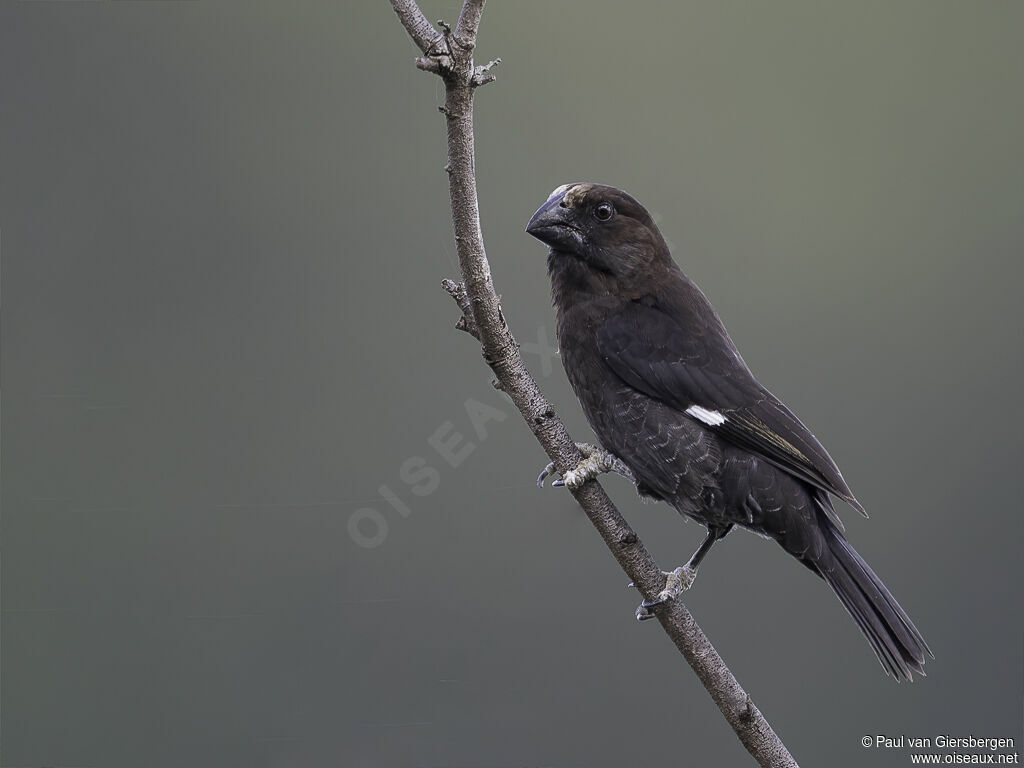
[{"x": 677, "y": 410}]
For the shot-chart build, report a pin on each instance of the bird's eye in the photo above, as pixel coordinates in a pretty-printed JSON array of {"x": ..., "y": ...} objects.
[{"x": 603, "y": 211}]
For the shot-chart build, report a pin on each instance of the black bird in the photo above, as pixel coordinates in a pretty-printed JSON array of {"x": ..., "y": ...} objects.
[{"x": 678, "y": 410}]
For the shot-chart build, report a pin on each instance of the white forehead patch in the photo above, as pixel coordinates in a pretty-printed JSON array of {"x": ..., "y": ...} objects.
[{"x": 559, "y": 191}]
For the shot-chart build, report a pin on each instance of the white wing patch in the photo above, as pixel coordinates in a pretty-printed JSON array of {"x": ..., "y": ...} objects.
[{"x": 711, "y": 418}]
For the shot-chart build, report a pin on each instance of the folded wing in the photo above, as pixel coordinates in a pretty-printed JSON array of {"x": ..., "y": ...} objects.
[{"x": 647, "y": 348}]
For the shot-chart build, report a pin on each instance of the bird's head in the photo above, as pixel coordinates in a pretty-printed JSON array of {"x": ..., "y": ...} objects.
[{"x": 601, "y": 226}]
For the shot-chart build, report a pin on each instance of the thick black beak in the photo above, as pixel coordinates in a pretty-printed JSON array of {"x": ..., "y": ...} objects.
[{"x": 551, "y": 225}]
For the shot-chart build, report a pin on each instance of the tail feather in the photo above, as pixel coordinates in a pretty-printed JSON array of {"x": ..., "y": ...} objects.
[{"x": 895, "y": 640}]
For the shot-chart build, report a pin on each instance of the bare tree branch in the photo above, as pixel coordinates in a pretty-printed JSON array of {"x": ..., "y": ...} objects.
[
  {"x": 420, "y": 30},
  {"x": 450, "y": 55},
  {"x": 469, "y": 23}
]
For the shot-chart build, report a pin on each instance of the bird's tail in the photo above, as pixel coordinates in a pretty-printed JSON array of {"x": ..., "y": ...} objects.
[{"x": 896, "y": 641}]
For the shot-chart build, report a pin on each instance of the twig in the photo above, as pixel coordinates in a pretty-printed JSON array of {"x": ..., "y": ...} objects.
[
  {"x": 466, "y": 322},
  {"x": 449, "y": 54}
]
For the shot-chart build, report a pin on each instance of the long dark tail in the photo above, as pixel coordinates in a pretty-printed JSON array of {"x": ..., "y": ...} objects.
[{"x": 893, "y": 636}]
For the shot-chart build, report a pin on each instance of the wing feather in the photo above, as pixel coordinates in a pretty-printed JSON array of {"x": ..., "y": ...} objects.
[{"x": 651, "y": 352}]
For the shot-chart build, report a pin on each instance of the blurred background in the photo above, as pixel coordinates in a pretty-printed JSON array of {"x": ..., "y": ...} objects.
[{"x": 229, "y": 536}]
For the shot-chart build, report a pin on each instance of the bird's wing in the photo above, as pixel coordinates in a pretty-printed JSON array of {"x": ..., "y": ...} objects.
[{"x": 699, "y": 372}]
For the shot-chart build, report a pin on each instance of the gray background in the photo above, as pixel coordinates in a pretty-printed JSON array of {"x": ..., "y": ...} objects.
[{"x": 223, "y": 229}]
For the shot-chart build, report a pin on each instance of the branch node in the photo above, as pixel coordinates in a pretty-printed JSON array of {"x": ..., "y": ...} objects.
[
  {"x": 480, "y": 76},
  {"x": 465, "y": 323},
  {"x": 438, "y": 54},
  {"x": 747, "y": 715},
  {"x": 429, "y": 64}
]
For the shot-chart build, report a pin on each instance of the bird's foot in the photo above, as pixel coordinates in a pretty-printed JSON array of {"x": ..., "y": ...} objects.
[
  {"x": 679, "y": 580},
  {"x": 596, "y": 461}
]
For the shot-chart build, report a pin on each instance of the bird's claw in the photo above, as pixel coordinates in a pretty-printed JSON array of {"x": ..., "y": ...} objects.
[
  {"x": 643, "y": 613},
  {"x": 679, "y": 580},
  {"x": 548, "y": 470},
  {"x": 596, "y": 461}
]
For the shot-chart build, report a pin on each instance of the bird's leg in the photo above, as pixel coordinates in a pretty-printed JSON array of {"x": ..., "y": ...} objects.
[
  {"x": 682, "y": 578},
  {"x": 596, "y": 461}
]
